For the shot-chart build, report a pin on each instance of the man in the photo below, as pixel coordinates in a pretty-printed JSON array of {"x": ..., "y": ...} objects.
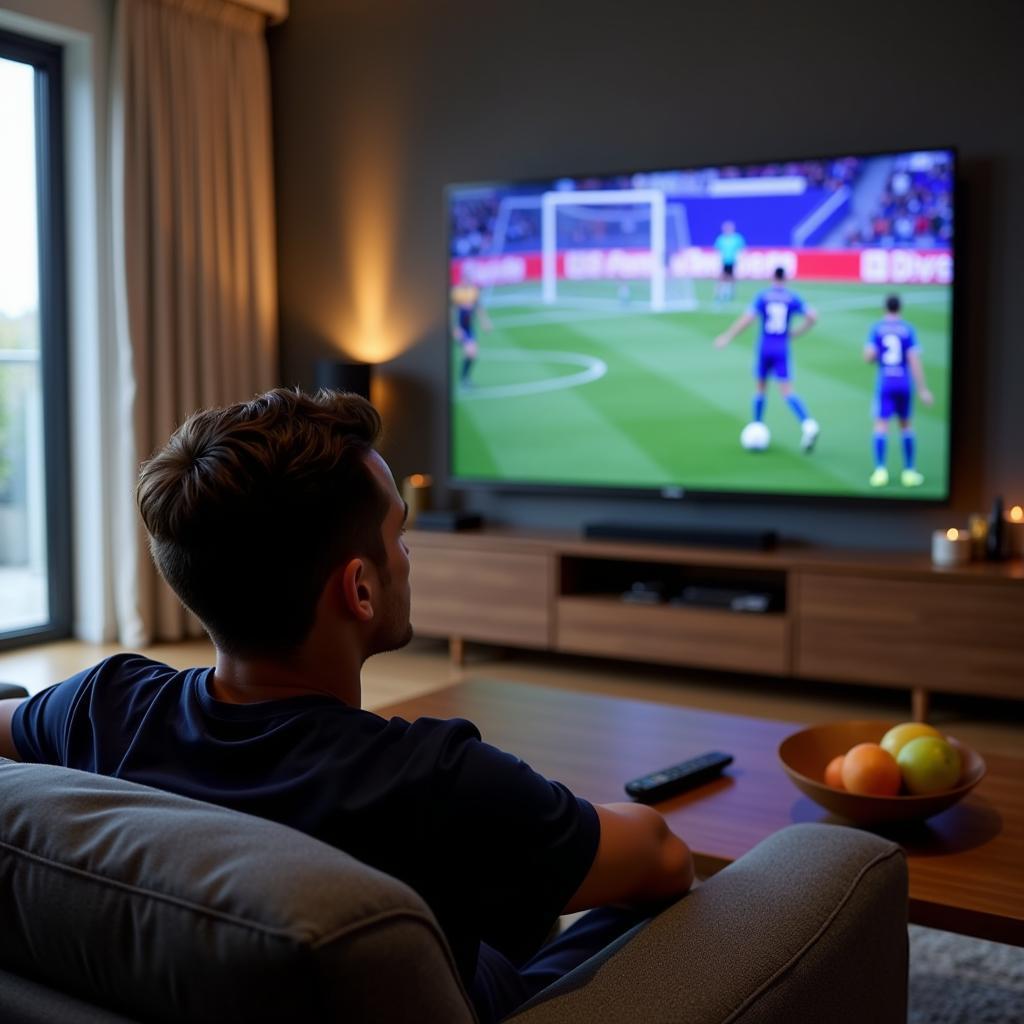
[
  {"x": 467, "y": 310},
  {"x": 892, "y": 344},
  {"x": 280, "y": 527},
  {"x": 730, "y": 243},
  {"x": 777, "y": 306}
]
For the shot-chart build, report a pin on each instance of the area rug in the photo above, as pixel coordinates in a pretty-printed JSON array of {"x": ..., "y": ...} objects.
[{"x": 958, "y": 980}]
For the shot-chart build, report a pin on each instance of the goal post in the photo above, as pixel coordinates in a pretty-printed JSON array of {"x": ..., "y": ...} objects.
[{"x": 552, "y": 202}]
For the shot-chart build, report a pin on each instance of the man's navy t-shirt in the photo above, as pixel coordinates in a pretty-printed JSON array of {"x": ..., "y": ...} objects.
[{"x": 495, "y": 849}]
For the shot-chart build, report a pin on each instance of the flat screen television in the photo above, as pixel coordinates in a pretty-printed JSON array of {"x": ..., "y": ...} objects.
[{"x": 780, "y": 328}]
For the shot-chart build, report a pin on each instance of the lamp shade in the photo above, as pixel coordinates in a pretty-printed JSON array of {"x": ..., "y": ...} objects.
[{"x": 340, "y": 375}]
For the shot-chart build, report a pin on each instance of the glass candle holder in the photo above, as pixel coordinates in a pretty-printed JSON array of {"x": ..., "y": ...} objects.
[
  {"x": 1013, "y": 532},
  {"x": 951, "y": 547},
  {"x": 977, "y": 527}
]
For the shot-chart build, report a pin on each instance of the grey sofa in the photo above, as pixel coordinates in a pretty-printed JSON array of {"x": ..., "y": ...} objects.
[{"x": 122, "y": 903}]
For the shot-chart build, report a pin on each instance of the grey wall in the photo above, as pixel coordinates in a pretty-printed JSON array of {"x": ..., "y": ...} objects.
[{"x": 378, "y": 105}]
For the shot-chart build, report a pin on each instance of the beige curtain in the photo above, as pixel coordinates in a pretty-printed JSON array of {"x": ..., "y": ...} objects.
[{"x": 193, "y": 249}]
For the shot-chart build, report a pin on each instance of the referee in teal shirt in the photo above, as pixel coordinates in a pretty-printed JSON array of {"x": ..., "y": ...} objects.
[{"x": 729, "y": 244}]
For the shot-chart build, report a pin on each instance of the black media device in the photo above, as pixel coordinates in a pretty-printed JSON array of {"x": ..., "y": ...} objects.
[
  {"x": 645, "y": 592},
  {"x": 661, "y": 785},
  {"x": 724, "y": 597},
  {"x": 445, "y": 521}
]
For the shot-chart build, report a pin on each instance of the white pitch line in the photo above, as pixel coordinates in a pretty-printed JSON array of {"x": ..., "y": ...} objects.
[
  {"x": 594, "y": 369},
  {"x": 569, "y": 315}
]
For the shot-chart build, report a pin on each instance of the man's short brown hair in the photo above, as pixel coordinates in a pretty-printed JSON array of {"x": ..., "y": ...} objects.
[{"x": 250, "y": 508}]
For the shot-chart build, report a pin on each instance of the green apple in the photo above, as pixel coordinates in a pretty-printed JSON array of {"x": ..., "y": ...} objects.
[
  {"x": 929, "y": 764},
  {"x": 900, "y": 735}
]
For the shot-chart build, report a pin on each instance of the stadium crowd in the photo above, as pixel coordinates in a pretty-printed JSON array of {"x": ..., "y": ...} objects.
[
  {"x": 914, "y": 209},
  {"x": 826, "y": 174}
]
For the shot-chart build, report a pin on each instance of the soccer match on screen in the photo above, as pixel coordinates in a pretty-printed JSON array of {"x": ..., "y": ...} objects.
[{"x": 774, "y": 328}]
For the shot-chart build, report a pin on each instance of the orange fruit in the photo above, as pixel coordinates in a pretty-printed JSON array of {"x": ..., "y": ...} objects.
[
  {"x": 871, "y": 771},
  {"x": 834, "y": 772}
]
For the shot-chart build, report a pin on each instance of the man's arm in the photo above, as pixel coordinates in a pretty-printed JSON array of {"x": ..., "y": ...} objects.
[
  {"x": 7, "y": 748},
  {"x": 870, "y": 354},
  {"x": 740, "y": 325},
  {"x": 638, "y": 860},
  {"x": 810, "y": 319},
  {"x": 917, "y": 369}
]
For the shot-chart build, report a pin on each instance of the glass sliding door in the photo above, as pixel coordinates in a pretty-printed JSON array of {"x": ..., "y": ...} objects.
[{"x": 34, "y": 497}]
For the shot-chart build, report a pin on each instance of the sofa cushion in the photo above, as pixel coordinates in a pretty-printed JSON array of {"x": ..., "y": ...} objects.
[{"x": 169, "y": 909}]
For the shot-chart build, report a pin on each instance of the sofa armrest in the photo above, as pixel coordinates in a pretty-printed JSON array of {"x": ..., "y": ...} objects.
[{"x": 809, "y": 925}]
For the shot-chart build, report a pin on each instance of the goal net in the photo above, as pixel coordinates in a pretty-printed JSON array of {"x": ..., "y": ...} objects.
[{"x": 606, "y": 248}]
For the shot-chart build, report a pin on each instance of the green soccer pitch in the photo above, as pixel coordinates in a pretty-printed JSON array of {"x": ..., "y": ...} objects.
[{"x": 613, "y": 394}]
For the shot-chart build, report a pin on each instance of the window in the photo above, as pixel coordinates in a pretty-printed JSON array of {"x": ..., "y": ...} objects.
[{"x": 35, "y": 586}]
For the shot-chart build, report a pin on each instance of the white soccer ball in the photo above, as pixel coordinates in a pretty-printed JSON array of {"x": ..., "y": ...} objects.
[{"x": 755, "y": 437}]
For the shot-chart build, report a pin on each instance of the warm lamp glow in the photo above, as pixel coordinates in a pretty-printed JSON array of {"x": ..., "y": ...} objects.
[
  {"x": 420, "y": 480},
  {"x": 1017, "y": 514},
  {"x": 952, "y": 534},
  {"x": 376, "y": 318}
]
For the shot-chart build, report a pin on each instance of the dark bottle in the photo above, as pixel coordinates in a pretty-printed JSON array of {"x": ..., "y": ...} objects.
[{"x": 994, "y": 540}]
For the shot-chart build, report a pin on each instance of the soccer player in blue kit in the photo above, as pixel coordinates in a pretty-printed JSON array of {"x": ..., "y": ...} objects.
[
  {"x": 777, "y": 306},
  {"x": 892, "y": 344}
]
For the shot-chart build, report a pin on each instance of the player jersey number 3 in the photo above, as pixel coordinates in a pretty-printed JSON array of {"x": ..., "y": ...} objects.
[
  {"x": 892, "y": 350},
  {"x": 776, "y": 317}
]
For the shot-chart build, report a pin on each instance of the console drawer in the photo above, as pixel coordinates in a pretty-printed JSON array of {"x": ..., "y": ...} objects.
[
  {"x": 490, "y": 596},
  {"x": 955, "y": 635},
  {"x": 675, "y": 636}
]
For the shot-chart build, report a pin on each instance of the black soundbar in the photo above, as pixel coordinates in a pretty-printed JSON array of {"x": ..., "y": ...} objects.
[{"x": 756, "y": 540}]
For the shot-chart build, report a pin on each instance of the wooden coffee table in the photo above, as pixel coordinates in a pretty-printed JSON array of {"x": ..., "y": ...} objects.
[{"x": 966, "y": 864}]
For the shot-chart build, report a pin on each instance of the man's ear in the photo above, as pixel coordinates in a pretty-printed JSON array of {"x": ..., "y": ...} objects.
[{"x": 356, "y": 589}]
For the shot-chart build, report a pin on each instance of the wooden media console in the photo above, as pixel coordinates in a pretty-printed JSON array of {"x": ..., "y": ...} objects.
[{"x": 876, "y": 618}]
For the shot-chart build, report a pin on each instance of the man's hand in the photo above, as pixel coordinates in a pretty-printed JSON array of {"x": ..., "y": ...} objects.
[
  {"x": 722, "y": 340},
  {"x": 639, "y": 860},
  {"x": 926, "y": 396}
]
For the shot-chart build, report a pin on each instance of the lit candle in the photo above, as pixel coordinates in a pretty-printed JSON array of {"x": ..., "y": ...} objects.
[
  {"x": 1013, "y": 530},
  {"x": 977, "y": 526},
  {"x": 951, "y": 547},
  {"x": 416, "y": 491}
]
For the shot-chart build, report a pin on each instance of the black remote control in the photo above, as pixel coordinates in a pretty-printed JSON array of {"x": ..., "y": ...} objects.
[{"x": 657, "y": 786}]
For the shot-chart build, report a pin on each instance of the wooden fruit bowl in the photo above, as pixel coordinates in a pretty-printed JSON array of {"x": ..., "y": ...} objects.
[{"x": 806, "y": 753}]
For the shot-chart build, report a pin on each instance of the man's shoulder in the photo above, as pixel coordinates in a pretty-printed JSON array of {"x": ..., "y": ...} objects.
[
  {"x": 129, "y": 661},
  {"x": 128, "y": 667},
  {"x": 125, "y": 683}
]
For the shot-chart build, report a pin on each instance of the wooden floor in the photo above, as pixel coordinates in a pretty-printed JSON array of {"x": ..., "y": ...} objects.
[{"x": 992, "y": 726}]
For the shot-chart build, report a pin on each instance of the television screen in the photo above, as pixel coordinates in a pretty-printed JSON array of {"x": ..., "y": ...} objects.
[{"x": 770, "y": 328}]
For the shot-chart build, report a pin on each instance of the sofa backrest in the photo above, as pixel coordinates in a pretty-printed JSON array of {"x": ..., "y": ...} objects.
[{"x": 162, "y": 908}]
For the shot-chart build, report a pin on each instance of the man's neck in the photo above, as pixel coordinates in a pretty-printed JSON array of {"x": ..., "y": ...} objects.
[{"x": 240, "y": 680}]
